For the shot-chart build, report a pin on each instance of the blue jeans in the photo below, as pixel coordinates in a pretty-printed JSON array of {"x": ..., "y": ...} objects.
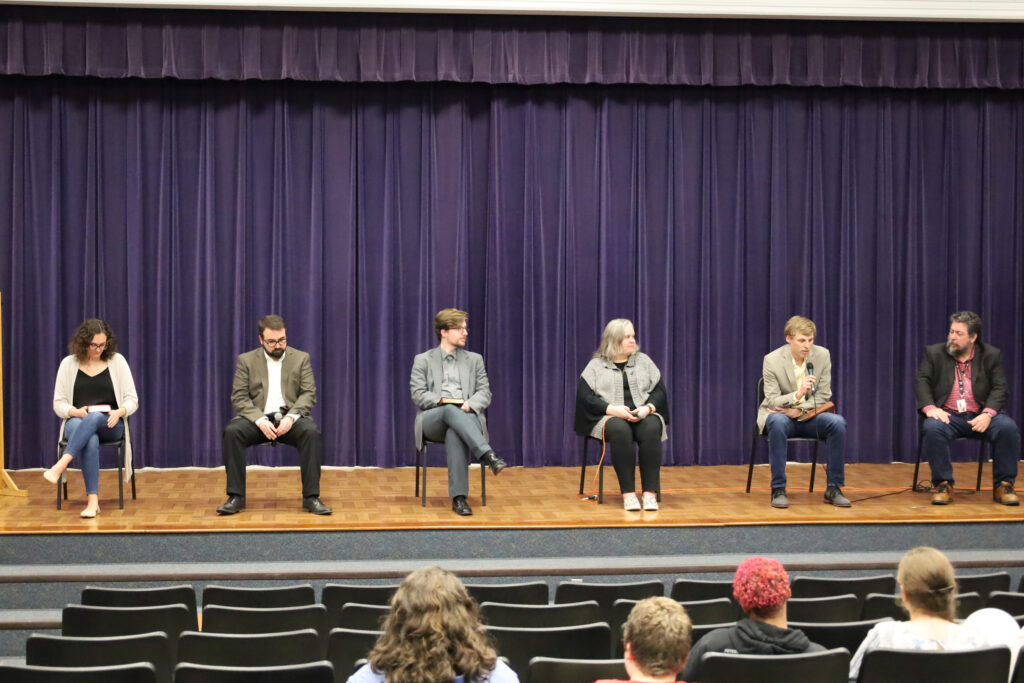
[
  {"x": 84, "y": 435},
  {"x": 1002, "y": 433},
  {"x": 827, "y": 426}
]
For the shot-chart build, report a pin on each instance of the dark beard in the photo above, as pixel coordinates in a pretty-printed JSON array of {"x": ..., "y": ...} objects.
[
  {"x": 276, "y": 354},
  {"x": 957, "y": 354}
]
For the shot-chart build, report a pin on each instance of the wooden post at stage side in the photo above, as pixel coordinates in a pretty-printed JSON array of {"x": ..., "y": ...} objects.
[{"x": 7, "y": 485}]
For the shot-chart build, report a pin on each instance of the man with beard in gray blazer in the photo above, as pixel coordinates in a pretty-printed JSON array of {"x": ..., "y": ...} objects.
[
  {"x": 797, "y": 379},
  {"x": 449, "y": 385}
]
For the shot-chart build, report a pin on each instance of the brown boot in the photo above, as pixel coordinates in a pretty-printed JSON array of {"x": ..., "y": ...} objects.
[
  {"x": 943, "y": 494},
  {"x": 1003, "y": 493}
]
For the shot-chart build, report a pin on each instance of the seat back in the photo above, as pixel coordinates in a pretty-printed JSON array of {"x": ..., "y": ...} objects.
[
  {"x": 848, "y": 634},
  {"x": 861, "y": 586},
  {"x": 830, "y": 666},
  {"x": 250, "y": 649},
  {"x": 1011, "y": 603},
  {"x": 982, "y": 584},
  {"x": 692, "y": 590},
  {"x": 104, "y": 596},
  {"x": 605, "y": 594},
  {"x": 530, "y": 593},
  {"x": 346, "y": 646},
  {"x": 76, "y": 652},
  {"x": 540, "y": 616},
  {"x": 986, "y": 665},
  {"x": 314, "y": 672},
  {"x": 520, "y": 645},
  {"x": 823, "y": 610},
  {"x": 362, "y": 617},
  {"x": 880, "y": 606},
  {"x": 123, "y": 673},
  {"x": 276, "y": 596},
  {"x": 90, "y": 622},
  {"x": 218, "y": 619},
  {"x": 557, "y": 670},
  {"x": 335, "y": 595},
  {"x": 701, "y": 630},
  {"x": 967, "y": 604}
]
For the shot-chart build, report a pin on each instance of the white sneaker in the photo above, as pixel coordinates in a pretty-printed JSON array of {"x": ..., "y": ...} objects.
[
  {"x": 650, "y": 501},
  {"x": 630, "y": 502}
]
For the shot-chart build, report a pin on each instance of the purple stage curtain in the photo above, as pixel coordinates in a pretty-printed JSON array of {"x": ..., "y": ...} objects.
[
  {"x": 182, "y": 211},
  {"x": 236, "y": 45}
]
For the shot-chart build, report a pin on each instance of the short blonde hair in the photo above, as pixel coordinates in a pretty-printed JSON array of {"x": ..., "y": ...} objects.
[
  {"x": 800, "y": 325},
  {"x": 658, "y": 632},
  {"x": 610, "y": 345}
]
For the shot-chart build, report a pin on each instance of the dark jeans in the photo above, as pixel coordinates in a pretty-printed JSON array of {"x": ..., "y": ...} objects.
[
  {"x": 827, "y": 426},
  {"x": 1002, "y": 433},
  {"x": 620, "y": 435},
  {"x": 304, "y": 435}
]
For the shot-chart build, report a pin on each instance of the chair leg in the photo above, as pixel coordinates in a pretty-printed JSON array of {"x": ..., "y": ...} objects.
[
  {"x": 814, "y": 464},
  {"x": 583, "y": 465},
  {"x": 600, "y": 483},
  {"x": 753, "y": 452},
  {"x": 61, "y": 479},
  {"x": 483, "y": 484},
  {"x": 917, "y": 465},
  {"x": 133, "y": 484},
  {"x": 422, "y": 458},
  {"x": 981, "y": 464},
  {"x": 120, "y": 476},
  {"x": 417, "y": 473}
]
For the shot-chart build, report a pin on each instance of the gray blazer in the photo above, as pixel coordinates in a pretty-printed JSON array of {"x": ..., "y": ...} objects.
[
  {"x": 780, "y": 380},
  {"x": 425, "y": 384},
  {"x": 249, "y": 388}
]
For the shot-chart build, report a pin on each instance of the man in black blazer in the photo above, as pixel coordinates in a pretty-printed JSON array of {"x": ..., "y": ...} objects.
[{"x": 961, "y": 389}]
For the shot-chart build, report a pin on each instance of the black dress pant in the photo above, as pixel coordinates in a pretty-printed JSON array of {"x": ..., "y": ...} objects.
[
  {"x": 620, "y": 435},
  {"x": 304, "y": 435}
]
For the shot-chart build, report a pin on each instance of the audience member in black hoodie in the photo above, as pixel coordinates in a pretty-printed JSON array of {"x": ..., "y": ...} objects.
[{"x": 761, "y": 586}]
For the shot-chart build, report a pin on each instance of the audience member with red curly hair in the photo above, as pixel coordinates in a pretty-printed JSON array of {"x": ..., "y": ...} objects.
[{"x": 761, "y": 586}]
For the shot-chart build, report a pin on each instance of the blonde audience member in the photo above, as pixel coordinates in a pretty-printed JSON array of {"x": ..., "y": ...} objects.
[{"x": 657, "y": 640}]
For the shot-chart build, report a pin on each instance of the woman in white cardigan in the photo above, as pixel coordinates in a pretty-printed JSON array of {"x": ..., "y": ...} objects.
[{"x": 93, "y": 393}]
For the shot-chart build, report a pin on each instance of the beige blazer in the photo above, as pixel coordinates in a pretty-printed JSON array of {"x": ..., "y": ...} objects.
[
  {"x": 249, "y": 389},
  {"x": 780, "y": 380}
]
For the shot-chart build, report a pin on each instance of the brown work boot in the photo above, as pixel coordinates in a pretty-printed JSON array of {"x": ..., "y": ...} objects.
[
  {"x": 943, "y": 494},
  {"x": 1003, "y": 493}
]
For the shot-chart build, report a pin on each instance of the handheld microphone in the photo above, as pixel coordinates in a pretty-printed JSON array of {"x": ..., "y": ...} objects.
[
  {"x": 810, "y": 373},
  {"x": 277, "y": 418}
]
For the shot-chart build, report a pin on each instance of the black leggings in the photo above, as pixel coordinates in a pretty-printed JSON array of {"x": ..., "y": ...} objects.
[{"x": 620, "y": 436}]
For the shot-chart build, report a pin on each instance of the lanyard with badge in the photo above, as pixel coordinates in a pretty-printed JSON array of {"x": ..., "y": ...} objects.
[{"x": 959, "y": 370}]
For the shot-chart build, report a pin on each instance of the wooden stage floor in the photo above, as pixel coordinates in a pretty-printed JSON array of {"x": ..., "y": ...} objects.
[{"x": 185, "y": 500}]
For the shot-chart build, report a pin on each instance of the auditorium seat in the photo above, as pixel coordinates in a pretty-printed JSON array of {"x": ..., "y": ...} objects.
[
  {"x": 1012, "y": 603},
  {"x": 78, "y": 652},
  {"x": 104, "y": 596},
  {"x": 982, "y": 584},
  {"x": 275, "y": 596},
  {"x": 689, "y": 590},
  {"x": 824, "y": 610},
  {"x": 519, "y": 645},
  {"x": 540, "y": 616},
  {"x": 530, "y": 593},
  {"x": 314, "y": 672},
  {"x": 90, "y": 622},
  {"x": 830, "y": 666},
  {"x": 219, "y": 619},
  {"x": 700, "y": 612},
  {"x": 122, "y": 673},
  {"x": 986, "y": 665},
  {"x": 557, "y": 670},
  {"x": 606, "y": 593},
  {"x": 848, "y": 634},
  {"x": 345, "y": 647},
  {"x": 250, "y": 649},
  {"x": 335, "y": 595},
  {"x": 861, "y": 586},
  {"x": 354, "y": 615}
]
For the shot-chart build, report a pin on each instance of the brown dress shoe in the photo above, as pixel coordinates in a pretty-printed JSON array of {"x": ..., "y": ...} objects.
[
  {"x": 1003, "y": 493},
  {"x": 943, "y": 494}
]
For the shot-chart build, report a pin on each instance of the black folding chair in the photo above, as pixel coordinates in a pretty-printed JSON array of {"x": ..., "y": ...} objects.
[
  {"x": 917, "y": 463},
  {"x": 760, "y": 436},
  {"x": 421, "y": 464},
  {"x": 62, "y": 483}
]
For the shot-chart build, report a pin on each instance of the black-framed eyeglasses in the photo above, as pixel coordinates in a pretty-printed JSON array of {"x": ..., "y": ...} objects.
[
  {"x": 98, "y": 347},
  {"x": 276, "y": 342}
]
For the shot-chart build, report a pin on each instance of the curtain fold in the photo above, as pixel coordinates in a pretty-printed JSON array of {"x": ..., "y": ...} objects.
[
  {"x": 500, "y": 49},
  {"x": 183, "y": 211}
]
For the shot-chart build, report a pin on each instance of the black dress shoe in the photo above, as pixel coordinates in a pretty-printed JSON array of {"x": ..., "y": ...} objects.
[
  {"x": 234, "y": 504},
  {"x": 313, "y": 504},
  {"x": 491, "y": 459},
  {"x": 461, "y": 507}
]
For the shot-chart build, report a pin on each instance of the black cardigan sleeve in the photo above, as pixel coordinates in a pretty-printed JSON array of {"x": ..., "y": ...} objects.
[{"x": 590, "y": 408}]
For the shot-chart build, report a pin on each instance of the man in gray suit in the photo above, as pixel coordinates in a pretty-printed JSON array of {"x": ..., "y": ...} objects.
[
  {"x": 798, "y": 380},
  {"x": 273, "y": 394},
  {"x": 449, "y": 385}
]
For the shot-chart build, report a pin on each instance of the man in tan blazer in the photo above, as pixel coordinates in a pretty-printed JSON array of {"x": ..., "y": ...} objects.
[
  {"x": 798, "y": 379},
  {"x": 273, "y": 394}
]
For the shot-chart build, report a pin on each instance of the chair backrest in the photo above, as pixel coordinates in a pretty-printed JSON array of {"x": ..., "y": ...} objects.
[
  {"x": 276, "y": 596},
  {"x": 531, "y": 593},
  {"x": 822, "y": 610},
  {"x": 519, "y": 645},
  {"x": 986, "y": 665},
  {"x": 219, "y": 619},
  {"x": 90, "y": 622},
  {"x": 830, "y": 666},
  {"x": 982, "y": 584},
  {"x": 346, "y": 646},
  {"x": 849, "y": 634},
  {"x": 691, "y": 590},
  {"x": 711, "y": 611},
  {"x": 103, "y": 596},
  {"x": 701, "y": 630},
  {"x": 540, "y": 616},
  {"x": 607, "y": 593},
  {"x": 1011, "y": 603},
  {"x": 314, "y": 672},
  {"x": 123, "y": 673},
  {"x": 861, "y": 586},
  {"x": 556, "y": 670},
  {"x": 335, "y": 595},
  {"x": 250, "y": 649},
  {"x": 967, "y": 604},
  {"x": 879, "y": 606},
  {"x": 362, "y": 617},
  {"x": 1018, "y": 670},
  {"x": 75, "y": 652}
]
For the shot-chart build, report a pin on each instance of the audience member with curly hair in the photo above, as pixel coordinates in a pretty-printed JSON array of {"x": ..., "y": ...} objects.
[
  {"x": 433, "y": 635},
  {"x": 657, "y": 639},
  {"x": 761, "y": 586},
  {"x": 928, "y": 595}
]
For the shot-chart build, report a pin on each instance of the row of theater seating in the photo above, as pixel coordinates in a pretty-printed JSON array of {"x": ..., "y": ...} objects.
[{"x": 343, "y": 632}]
